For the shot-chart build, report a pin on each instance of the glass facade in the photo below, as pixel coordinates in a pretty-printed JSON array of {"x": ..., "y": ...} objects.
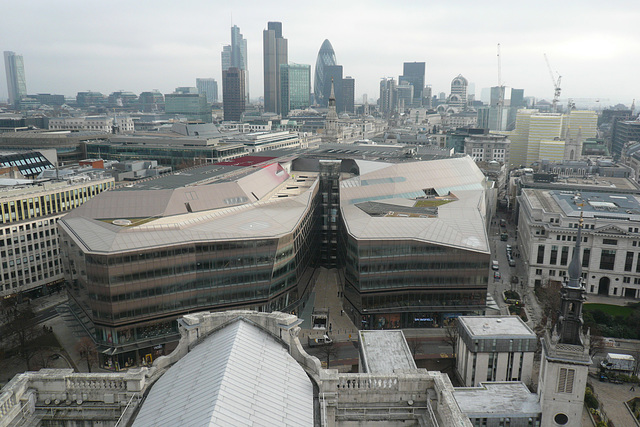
[
  {"x": 133, "y": 298},
  {"x": 295, "y": 85},
  {"x": 407, "y": 283}
]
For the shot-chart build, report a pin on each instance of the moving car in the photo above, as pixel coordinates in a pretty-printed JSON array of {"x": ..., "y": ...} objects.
[
  {"x": 495, "y": 265},
  {"x": 496, "y": 275}
]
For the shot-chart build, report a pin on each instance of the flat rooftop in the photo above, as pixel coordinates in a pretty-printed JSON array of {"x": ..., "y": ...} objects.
[
  {"x": 490, "y": 326},
  {"x": 382, "y": 352},
  {"x": 590, "y": 204},
  {"x": 497, "y": 400}
]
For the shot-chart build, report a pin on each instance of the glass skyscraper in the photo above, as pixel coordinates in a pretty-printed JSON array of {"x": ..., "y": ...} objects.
[
  {"x": 413, "y": 74},
  {"x": 295, "y": 87},
  {"x": 235, "y": 55},
  {"x": 275, "y": 51},
  {"x": 16, "y": 82},
  {"x": 322, "y": 87}
]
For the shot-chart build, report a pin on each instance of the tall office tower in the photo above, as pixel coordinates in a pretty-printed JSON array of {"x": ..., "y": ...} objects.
[
  {"x": 16, "y": 82},
  {"x": 233, "y": 93},
  {"x": 405, "y": 96},
  {"x": 295, "y": 85},
  {"x": 235, "y": 55},
  {"x": 326, "y": 57},
  {"x": 333, "y": 78},
  {"x": 275, "y": 54},
  {"x": 209, "y": 87},
  {"x": 348, "y": 94},
  {"x": 458, "y": 96},
  {"x": 427, "y": 100},
  {"x": 515, "y": 103},
  {"x": 388, "y": 96},
  {"x": 226, "y": 57},
  {"x": 413, "y": 74}
]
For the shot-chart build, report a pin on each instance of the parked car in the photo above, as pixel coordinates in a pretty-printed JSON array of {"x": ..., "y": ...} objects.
[
  {"x": 509, "y": 249},
  {"x": 495, "y": 265},
  {"x": 512, "y": 262}
]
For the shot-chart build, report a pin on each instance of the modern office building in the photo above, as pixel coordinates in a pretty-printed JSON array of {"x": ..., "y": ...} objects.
[
  {"x": 186, "y": 144},
  {"x": 209, "y": 87},
  {"x": 90, "y": 99},
  {"x": 275, "y": 52},
  {"x": 348, "y": 94},
  {"x": 326, "y": 57},
  {"x": 388, "y": 101},
  {"x": 123, "y": 100},
  {"x": 458, "y": 95},
  {"x": 31, "y": 263},
  {"x": 193, "y": 106},
  {"x": 540, "y": 136},
  {"x": 152, "y": 101},
  {"x": 235, "y": 56},
  {"x": 233, "y": 93},
  {"x": 413, "y": 73},
  {"x": 405, "y": 96},
  {"x": 106, "y": 124},
  {"x": 624, "y": 131},
  {"x": 333, "y": 81},
  {"x": 411, "y": 239},
  {"x": 295, "y": 86},
  {"x": 29, "y": 163},
  {"x": 494, "y": 348},
  {"x": 16, "y": 80}
]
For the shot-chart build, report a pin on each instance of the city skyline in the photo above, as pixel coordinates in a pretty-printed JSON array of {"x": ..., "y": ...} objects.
[{"x": 135, "y": 55}]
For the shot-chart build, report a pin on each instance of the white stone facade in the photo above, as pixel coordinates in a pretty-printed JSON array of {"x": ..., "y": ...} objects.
[
  {"x": 104, "y": 124},
  {"x": 610, "y": 253}
]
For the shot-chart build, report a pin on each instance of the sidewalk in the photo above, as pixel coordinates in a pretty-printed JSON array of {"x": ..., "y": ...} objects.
[{"x": 339, "y": 326}]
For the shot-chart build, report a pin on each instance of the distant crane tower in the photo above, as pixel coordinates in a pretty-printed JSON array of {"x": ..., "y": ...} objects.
[
  {"x": 556, "y": 85},
  {"x": 500, "y": 86}
]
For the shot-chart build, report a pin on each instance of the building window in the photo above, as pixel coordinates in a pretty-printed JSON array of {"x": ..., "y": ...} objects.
[
  {"x": 540, "y": 254},
  {"x": 586, "y": 256},
  {"x": 538, "y": 271},
  {"x": 626, "y": 280},
  {"x": 552, "y": 272},
  {"x": 628, "y": 262},
  {"x": 554, "y": 255},
  {"x": 564, "y": 256},
  {"x": 565, "y": 380},
  {"x": 607, "y": 259},
  {"x": 609, "y": 241}
]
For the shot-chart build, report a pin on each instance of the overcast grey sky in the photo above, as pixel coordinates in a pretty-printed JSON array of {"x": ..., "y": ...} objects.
[{"x": 74, "y": 45}]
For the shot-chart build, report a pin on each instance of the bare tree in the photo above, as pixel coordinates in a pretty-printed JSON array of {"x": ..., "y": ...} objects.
[
  {"x": 451, "y": 335},
  {"x": 596, "y": 344},
  {"x": 329, "y": 351},
  {"x": 88, "y": 351},
  {"x": 549, "y": 297},
  {"x": 415, "y": 345},
  {"x": 23, "y": 332}
]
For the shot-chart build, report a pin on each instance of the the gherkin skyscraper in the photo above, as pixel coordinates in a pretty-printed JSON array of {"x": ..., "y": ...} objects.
[{"x": 326, "y": 57}]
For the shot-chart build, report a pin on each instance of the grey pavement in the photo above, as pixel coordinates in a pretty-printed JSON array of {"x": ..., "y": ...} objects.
[{"x": 612, "y": 398}]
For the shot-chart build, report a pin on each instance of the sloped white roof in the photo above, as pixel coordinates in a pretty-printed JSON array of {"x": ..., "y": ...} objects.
[
  {"x": 460, "y": 223},
  {"x": 239, "y": 376}
]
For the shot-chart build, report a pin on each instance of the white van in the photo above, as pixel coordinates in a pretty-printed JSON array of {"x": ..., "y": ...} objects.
[{"x": 320, "y": 340}]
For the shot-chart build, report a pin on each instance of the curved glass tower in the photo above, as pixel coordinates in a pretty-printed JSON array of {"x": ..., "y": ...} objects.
[{"x": 326, "y": 57}]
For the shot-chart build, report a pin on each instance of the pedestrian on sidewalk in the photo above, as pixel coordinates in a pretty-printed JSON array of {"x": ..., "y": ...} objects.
[{"x": 633, "y": 388}]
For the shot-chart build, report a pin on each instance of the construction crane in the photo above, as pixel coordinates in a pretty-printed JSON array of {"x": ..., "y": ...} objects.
[
  {"x": 556, "y": 85},
  {"x": 500, "y": 87}
]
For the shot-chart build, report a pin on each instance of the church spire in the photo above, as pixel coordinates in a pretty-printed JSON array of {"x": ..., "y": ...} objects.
[{"x": 569, "y": 327}]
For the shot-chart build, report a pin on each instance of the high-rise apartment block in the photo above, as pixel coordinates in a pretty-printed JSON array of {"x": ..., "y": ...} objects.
[
  {"x": 413, "y": 74},
  {"x": 233, "y": 93},
  {"x": 295, "y": 86},
  {"x": 16, "y": 81},
  {"x": 209, "y": 87},
  {"x": 235, "y": 55},
  {"x": 275, "y": 50}
]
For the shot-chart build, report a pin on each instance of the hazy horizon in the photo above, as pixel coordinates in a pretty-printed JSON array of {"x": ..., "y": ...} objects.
[{"x": 146, "y": 45}]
